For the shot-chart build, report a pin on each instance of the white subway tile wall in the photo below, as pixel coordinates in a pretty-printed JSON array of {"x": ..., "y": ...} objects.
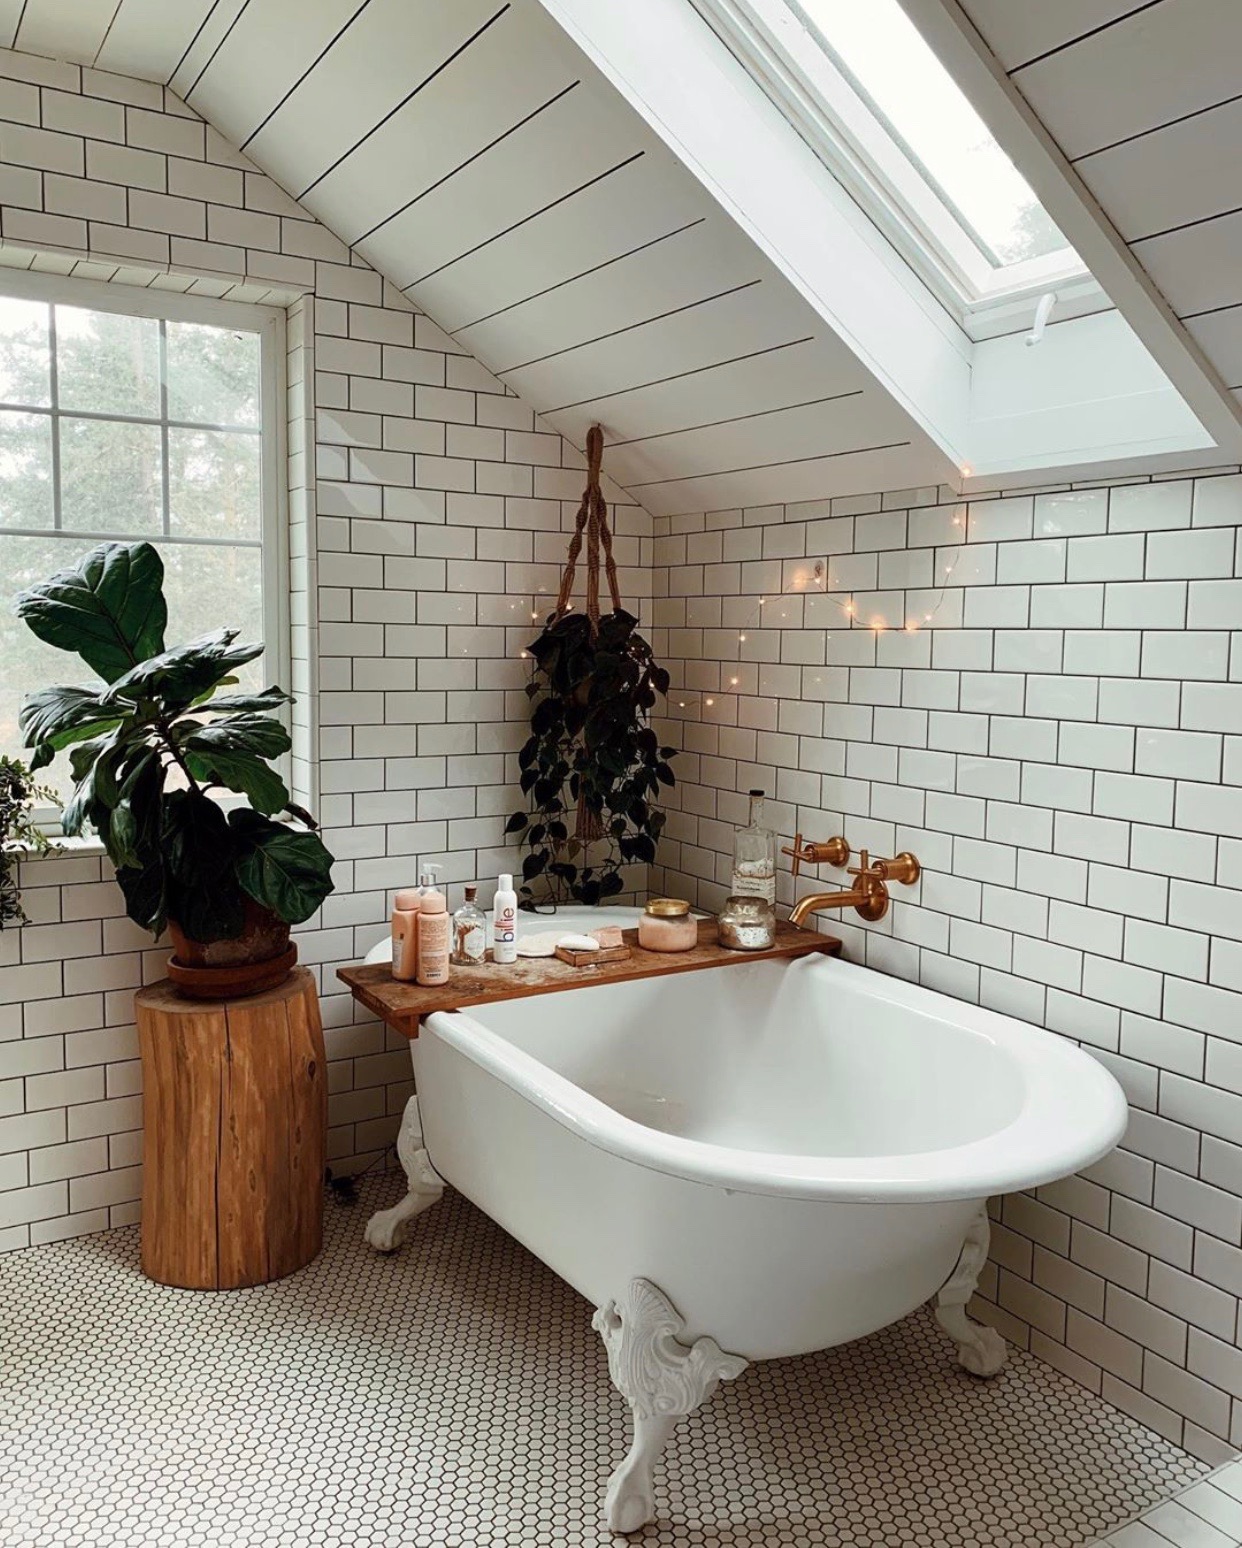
[
  {"x": 1041, "y": 696},
  {"x": 428, "y": 512}
]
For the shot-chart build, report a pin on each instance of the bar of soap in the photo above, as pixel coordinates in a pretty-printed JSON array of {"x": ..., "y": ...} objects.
[
  {"x": 608, "y": 935},
  {"x": 579, "y": 943}
]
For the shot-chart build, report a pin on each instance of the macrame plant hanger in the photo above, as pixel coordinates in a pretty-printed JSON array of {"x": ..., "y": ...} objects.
[{"x": 592, "y": 520}]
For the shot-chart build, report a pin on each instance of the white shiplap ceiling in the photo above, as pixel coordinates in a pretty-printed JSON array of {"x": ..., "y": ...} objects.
[
  {"x": 1145, "y": 102},
  {"x": 477, "y": 157},
  {"x": 478, "y": 160}
]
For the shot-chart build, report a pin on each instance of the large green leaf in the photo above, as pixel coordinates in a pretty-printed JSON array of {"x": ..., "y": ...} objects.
[
  {"x": 232, "y": 752},
  {"x": 109, "y": 608},
  {"x": 145, "y": 901},
  {"x": 175, "y": 678},
  {"x": 243, "y": 772},
  {"x": 55, "y": 718},
  {"x": 134, "y": 833},
  {"x": 199, "y": 852},
  {"x": 95, "y": 765},
  {"x": 288, "y": 871},
  {"x": 265, "y": 703}
]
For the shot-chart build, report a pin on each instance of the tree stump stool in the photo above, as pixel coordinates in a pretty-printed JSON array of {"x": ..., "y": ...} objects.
[{"x": 234, "y": 1112}]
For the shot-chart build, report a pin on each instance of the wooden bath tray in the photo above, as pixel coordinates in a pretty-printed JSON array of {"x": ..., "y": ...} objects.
[{"x": 403, "y": 1005}]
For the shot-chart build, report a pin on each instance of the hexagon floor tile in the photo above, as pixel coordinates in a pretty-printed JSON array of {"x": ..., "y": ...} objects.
[{"x": 453, "y": 1395}]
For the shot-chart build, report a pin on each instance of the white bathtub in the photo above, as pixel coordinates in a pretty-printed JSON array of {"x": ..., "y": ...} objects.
[{"x": 763, "y": 1159}]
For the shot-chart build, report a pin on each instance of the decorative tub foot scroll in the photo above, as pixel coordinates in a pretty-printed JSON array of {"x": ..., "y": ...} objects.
[
  {"x": 388, "y": 1228},
  {"x": 661, "y": 1379},
  {"x": 980, "y": 1350}
]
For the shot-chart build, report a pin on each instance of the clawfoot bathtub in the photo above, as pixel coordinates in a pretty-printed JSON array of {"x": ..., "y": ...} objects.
[{"x": 745, "y": 1163}]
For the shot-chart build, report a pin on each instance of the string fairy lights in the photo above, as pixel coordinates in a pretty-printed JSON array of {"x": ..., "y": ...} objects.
[{"x": 817, "y": 585}]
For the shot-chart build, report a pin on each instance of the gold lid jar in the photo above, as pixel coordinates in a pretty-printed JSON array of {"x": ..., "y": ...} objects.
[
  {"x": 747, "y": 924},
  {"x": 667, "y": 924}
]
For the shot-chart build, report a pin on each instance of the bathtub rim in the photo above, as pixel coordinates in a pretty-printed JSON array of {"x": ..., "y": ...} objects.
[{"x": 1073, "y": 1113}]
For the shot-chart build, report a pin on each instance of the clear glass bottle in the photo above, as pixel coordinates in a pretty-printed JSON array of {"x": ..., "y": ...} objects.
[
  {"x": 754, "y": 856},
  {"x": 469, "y": 936}
]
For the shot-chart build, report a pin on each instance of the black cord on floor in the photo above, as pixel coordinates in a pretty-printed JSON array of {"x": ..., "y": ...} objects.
[{"x": 344, "y": 1190}]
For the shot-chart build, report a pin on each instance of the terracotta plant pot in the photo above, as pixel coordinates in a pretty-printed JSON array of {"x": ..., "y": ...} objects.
[{"x": 259, "y": 958}]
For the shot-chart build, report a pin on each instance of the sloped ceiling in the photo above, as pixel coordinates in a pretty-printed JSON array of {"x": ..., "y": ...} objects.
[
  {"x": 476, "y": 158},
  {"x": 1144, "y": 102},
  {"x": 473, "y": 153}
]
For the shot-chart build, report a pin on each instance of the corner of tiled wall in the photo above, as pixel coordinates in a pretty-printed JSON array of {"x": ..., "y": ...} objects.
[{"x": 1041, "y": 695}]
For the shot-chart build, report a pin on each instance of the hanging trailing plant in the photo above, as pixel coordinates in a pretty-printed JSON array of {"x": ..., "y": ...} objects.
[
  {"x": 19, "y": 833},
  {"x": 592, "y": 767}
]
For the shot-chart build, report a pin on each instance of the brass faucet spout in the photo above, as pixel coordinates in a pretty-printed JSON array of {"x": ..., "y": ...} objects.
[{"x": 856, "y": 897}]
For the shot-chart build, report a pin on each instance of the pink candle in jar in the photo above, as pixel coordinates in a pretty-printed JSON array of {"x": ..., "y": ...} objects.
[{"x": 667, "y": 925}]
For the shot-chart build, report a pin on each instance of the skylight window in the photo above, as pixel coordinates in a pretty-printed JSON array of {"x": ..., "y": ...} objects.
[
  {"x": 861, "y": 86},
  {"x": 923, "y": 109}
]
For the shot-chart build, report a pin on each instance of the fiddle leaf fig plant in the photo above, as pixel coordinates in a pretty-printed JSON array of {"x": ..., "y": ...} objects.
[
  {"x": 591, "y": 760},
  {"x": 155, "y": 746}
]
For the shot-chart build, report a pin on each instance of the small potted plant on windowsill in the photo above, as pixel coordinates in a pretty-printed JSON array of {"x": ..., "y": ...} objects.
[
  {"x": 153, "y": 753},
  {"x": 20, "y": 834}
]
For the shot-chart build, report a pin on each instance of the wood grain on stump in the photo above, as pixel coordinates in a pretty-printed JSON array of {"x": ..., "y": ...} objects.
[{"x": 234, "y": 1130}]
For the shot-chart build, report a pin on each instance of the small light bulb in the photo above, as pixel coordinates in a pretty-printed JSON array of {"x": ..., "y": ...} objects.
[
  {"x": 709, "y": 702},
  {"x": 733, "y": 682},
  {"x": 967, "y": 470},
  {"x": 849, "y": 608},
  {"x": 911, "y": 626},
  {"x": 878, "y": 625},
  {"x": 681, "y": 704},
  {"x": 742, "y": 637}
]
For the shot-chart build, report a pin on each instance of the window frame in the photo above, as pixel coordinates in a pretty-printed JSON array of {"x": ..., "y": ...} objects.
[
  {"x": 269, "y": 322},
  {"x": 839, "y": 124}
]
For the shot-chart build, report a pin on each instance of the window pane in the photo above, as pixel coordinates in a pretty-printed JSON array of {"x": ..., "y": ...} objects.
[
  {"x": 25, "y": 470},
  {"x": 110, "y": 477},
  {"x": 207, "y": 589},
  {"x": 214, "y": 482},
  {"x": 924, "y": 107},
  {"x": 213, "y": 375},
  {"x": 25, "y": 352},
  {"x": 106, "y": 363}
]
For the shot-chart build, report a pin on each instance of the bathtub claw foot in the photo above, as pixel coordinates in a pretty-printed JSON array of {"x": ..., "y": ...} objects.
[
  {"x": 388, "y": 1228},
  {"x": 980, "y": 1350},
  {"x": 661, "y": 1379}
]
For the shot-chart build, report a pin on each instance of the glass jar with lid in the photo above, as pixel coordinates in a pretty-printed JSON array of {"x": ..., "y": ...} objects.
[
  {"x": 747, "y": 923},
  {"x": 666, "y": 924}
]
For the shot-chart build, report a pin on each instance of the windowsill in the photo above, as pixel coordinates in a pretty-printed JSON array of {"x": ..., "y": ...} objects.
[{"x": 60, "y": 844}]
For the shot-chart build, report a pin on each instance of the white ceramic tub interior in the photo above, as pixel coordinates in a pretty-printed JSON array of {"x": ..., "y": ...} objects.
[{"x": 815, "y": 1078}]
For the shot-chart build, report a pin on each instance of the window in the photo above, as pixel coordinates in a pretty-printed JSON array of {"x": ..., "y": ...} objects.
[
  {"x": 131, "y": 415},
  {"x": 859, "y": 83}
]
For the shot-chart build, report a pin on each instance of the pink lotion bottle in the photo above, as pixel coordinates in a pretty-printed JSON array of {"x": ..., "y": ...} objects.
[
  {"x": 433, "y": 933},
  {"x": 405, "y": 918}
]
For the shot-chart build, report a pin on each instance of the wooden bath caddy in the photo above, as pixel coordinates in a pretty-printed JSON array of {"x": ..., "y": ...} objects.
[{"x": 403, "y": 1005}]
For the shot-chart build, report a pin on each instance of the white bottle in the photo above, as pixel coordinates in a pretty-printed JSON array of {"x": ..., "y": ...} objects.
[
  {"x": 504, "y": 922},
  {"x": 433, "y": 933}
]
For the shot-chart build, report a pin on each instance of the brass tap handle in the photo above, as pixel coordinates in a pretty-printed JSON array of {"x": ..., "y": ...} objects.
[
  {"x": 902, "y": 868},
  {"x": 863, "y": 868},
  {"x": 834, "y": 851},
  {"x": 795, "y": 854}
]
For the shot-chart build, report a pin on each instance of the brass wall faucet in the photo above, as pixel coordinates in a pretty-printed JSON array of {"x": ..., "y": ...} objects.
[{"x": 868, "y": 895}]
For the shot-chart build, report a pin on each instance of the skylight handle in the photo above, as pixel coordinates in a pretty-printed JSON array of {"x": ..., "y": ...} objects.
[{"x": 1043, "y": 312}]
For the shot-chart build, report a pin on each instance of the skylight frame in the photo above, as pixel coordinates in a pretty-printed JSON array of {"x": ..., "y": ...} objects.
[{"x": 837, "y": 120}]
